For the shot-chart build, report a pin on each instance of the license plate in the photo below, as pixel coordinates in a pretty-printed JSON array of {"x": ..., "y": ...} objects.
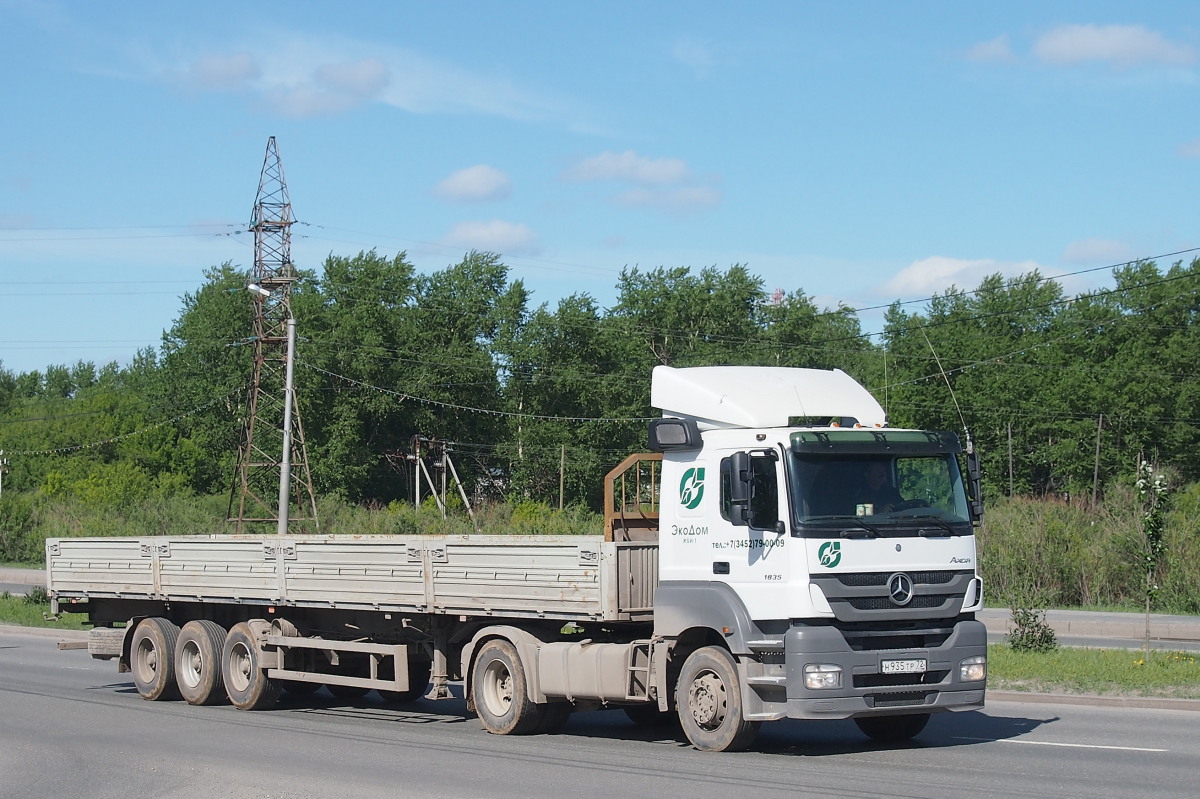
[{"x": 914, "y": 666}]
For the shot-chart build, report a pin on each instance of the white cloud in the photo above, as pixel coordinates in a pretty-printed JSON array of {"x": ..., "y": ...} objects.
[
  {"x": 679, "y": 200},
  {"x": 996, "y": 50},
  {"x": 222, "y": 72},
  {"x": 363, "y": 78},
  {"x": 1124, "y": 45},
  {"x": 693, "y": 54},
  {"x": 663, "y": 183},
  {"x": 495, "y": 236},
  {"x": 334, "y": 87},
  {"x": 1191, "y": 149},
  {"x": 1094, "y": 252},
  {"x": 937, "y": 273},
  {"x": 475, "y": 184},
  {"x": 629, "y": 167},
  {"x": 304, "y": 75}
]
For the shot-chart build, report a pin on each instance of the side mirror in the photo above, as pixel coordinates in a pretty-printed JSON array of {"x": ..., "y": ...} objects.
[
  {"x": 975, "y": 480},
  {"x": 739, "y": 487}
]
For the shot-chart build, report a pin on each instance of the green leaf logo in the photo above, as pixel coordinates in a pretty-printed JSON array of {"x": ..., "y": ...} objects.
[
  {"x": 691, "y": 488},
  {"x": 830, "y": 554}
]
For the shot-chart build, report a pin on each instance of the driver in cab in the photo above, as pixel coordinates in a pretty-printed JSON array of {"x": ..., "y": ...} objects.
[{"x": 876, "y": 494}]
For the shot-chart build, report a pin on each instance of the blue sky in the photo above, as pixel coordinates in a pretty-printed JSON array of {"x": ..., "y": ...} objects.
[{"x": 860, "y": 152}]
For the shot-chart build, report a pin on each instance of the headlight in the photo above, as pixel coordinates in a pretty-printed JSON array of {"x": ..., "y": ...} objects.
[
  {"x": 822, "y": 676},
  {"x": 973, "y": 669}
]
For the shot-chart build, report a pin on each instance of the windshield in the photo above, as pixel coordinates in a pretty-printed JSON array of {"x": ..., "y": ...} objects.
[{"x": 882, "y": 494}]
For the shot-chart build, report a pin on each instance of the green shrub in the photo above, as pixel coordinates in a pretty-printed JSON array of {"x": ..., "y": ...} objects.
[{"x": 1030, "y": 632}]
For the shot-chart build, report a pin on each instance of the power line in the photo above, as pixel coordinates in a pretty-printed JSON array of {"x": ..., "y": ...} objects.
[{"x": 486, "y": 411}]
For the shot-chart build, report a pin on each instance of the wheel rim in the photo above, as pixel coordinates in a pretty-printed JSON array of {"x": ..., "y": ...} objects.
[
  {"x": 146, "y": 661},
  {"x": 241, "y": 663},
  {"x": 191, "y": 664},
  {"x": 497, "y": 688},
  {"x": 707, "y": 700}
]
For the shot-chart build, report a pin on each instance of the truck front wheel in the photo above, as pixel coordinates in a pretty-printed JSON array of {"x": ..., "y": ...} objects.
[
  {"x": 152, "y": 658},
  {"x": 246, "y": 681},
  {"x": 709, "y": 699},
  {"x": 500, "y": 691}
]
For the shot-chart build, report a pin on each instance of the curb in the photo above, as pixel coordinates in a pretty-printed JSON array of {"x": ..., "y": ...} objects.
[
  {"x": 23, "y": 576},
  {"x": 1143, "y": 702},
  {"x": 44, "y": 632}
]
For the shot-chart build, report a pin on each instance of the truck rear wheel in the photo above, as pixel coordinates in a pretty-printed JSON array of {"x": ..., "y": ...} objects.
[
  {"x": 198, "y": 662},
  {"x": 152, "y": 658},
  {"x": 500, "y": 691},
  {"x": 246, "y": 681},
  {"x": 892, "y": 728},
  {"x": 709, "y": 699}
]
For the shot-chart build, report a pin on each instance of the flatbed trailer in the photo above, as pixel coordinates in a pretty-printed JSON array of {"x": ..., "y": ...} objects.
[{"x": 566, "y": 578}]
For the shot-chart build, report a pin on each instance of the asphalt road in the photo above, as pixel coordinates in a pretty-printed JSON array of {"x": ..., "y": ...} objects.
[{"x": 72, "y": 726}]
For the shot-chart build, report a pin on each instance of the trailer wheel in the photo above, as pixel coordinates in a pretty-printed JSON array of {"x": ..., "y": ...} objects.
[
  {"x": 709, "y": 699},
  {"x": 152, "y": 658},
  {"x": 892, "y": 728},
  {"x": 198, "y": 662},
  {"x": 246, "y": 681},
  {"x": 418, "y": 681},
  {"x": 500, "y": 692}
]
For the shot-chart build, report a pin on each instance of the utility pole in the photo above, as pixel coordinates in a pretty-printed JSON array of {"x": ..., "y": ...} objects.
[{"x": 272, "y": 447}]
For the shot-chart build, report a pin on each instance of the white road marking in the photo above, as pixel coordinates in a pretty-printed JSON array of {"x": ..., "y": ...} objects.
[{"x": 1072, "y": 746}]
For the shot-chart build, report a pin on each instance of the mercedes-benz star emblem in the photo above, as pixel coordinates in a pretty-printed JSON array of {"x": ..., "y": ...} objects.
[{"x": 900, "y": 588}]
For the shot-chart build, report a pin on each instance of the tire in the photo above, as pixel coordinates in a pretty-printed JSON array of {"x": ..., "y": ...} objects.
[
  {"x": 709, "y": 699},
  {"x": 198, "y": 663},
  {"x": 246, "y": 681},
  {"x": 152, "y": 658},
  {"x": 418, "y": 681},
  {"x": 500, "y": 691},
  {"x": 892, "y": 728}
]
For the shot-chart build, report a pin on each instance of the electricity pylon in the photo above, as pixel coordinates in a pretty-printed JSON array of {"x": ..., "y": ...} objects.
[{"x": 272, "y": 470}]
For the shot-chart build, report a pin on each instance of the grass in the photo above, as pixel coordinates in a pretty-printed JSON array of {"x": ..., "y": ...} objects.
[
  {"x": 1106, "y": 672},
  {"x": 21, "y": 611}
]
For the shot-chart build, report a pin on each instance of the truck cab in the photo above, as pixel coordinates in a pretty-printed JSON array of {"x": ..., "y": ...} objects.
[{"x": 832, "y": 556}]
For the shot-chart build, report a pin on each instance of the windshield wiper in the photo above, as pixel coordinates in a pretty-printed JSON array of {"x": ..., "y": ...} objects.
[
  {"x": 860, "y": 529},
  {"x": 946, "y": 529}
]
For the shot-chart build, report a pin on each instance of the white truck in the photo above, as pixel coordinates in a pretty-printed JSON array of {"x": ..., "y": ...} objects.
[{"x": 781, "y": 553}]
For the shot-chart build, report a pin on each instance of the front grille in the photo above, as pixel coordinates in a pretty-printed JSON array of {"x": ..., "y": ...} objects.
[
  {"x": 889, "y": 642},
  {"x": 884, "y": 603},
  {"x": 907, "y": 699},
  {"x": 904, "y": 635},
  {"x": 870, "y": 579}
]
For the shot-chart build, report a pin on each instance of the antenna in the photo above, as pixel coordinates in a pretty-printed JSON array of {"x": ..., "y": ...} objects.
[
  {"x": 938, "y": 360},
  {"x": 272, "y": 440},
  {"x": 974, "y": 473}
]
